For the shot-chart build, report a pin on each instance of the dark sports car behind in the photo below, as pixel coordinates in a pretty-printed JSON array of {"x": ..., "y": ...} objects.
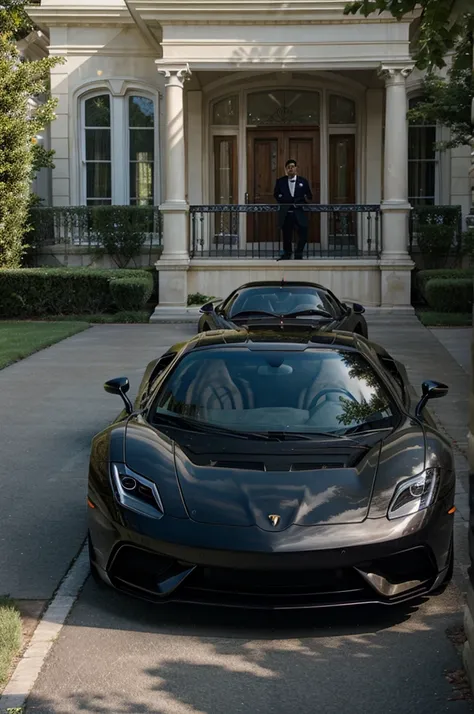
[
  {"x": 271, "y": 303},
  {"x": 273, "y": 470}
]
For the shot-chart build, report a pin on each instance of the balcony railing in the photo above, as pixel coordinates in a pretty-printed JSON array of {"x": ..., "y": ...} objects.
[
  {"x": 89, "y": 226},
  {"x": 251, "y": 231}
]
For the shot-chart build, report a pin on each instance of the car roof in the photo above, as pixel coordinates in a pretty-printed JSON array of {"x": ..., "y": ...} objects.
[
  {"x": 296, "y": 338},
  {"x": 283, "y": 283}
]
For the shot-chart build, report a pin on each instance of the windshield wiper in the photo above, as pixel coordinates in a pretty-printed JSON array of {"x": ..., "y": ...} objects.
[
  {"x": 249, "y": 313},
  {"x": 309, "y": 436},
  {"x": 360, "y": 429},
  {"x": 186, "y": 424},
  {"x": 320, "y": 313}
]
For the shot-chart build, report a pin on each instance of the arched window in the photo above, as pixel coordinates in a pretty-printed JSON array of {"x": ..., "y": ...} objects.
[
  {"x": 422, "y": 162},
  {"x": 341, "y": 110},
  {"x": 283, "y": 107},
  {"x": 225, "y": 112},
  {"x": 120, "y": 135}
]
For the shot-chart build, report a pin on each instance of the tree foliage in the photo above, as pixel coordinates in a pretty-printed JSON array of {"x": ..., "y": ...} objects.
[
  {"x": 448, "y": 101},
  {"x": 441, "y": 26},
  {"x": 438, "y": 27},
  {"x": 14, "y": 20},
  {"x": 20, "y": 122}
]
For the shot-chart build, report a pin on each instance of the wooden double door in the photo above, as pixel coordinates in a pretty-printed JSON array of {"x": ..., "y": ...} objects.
[{"x": 267, "y": 152}]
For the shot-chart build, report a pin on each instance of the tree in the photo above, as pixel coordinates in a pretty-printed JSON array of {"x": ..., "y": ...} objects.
[
  {"x": 438, "y": 23},
  {"x": 20, "y": 123},
  {"x": 448, "y": 101},
  {"x": 440, "y": 27}
]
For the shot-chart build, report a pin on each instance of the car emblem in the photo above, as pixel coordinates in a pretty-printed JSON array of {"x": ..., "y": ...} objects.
[{"x": 274, "y": 519}]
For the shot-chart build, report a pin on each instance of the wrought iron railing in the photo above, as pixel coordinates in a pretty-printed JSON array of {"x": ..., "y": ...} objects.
[
  {"x": 251, "y": 231},
  {"x": 87, "y": 225}
]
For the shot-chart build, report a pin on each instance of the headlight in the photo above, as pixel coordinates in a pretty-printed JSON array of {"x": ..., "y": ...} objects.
[
  {"x": 415, "y": 494},
  {"x": 136, "y": 492}
]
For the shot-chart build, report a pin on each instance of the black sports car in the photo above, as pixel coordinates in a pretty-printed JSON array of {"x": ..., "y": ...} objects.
[
  {"x": 273, "y": 470},
  {"x": 270, "y": 303}
]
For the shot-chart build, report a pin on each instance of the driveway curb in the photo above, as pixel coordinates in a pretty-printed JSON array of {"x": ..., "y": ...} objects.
[{"x": 28, "y": 668}]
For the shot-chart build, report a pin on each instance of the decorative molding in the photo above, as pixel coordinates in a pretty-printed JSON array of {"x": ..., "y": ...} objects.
[
  {"x": 77, "y": 14},
  {"x": 244, "y": 12},
  {"x": 117, "y": 87},
  {"x": 176, "y": 74},
  {"x": 395, "y": 74}
]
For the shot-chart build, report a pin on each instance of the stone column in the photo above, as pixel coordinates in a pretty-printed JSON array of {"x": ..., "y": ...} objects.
[
  {"x": 174, "y": 262},
  {"x": 396, "y": 264}
]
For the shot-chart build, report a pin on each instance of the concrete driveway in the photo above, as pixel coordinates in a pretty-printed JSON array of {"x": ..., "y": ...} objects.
[
  {"x": 51, "y": 405},
  {"x": 120, "y": 656}
]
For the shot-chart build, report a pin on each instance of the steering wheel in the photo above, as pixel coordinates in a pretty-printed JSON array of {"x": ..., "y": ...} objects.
[{"x": 330, "y": 390}]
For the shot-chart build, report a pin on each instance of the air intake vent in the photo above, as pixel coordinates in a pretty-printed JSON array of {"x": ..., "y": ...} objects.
[
  {"x": 242, "y": 465},
  {"x": 316, "y": 467}
]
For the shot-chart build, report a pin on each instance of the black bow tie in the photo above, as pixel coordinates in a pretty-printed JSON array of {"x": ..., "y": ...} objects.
[{"x": 292, "y": 180}]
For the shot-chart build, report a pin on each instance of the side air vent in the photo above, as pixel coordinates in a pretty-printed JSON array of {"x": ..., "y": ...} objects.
[
  {"x": 316, "y": 467},
  {"x": 242, "y": 465}
]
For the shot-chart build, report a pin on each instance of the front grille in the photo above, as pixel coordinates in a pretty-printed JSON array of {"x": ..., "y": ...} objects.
[
  {"x": 138, "y": 568},
  {"x": 148, "y": 575},
  {"x": 414, "y": 564}
]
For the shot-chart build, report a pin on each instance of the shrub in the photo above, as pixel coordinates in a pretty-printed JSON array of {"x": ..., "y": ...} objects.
[
  {"x": 198, "y": 299},
  {"x": 435, "y": 242},
  {"x": 131, "y": 293},
  {"x": 122, "y": 230},
  {"x": 438, "y": 232},
  {"x": 444, "y": 274},
  {"x": 117, "y": 231},
  {"x": 450, "y": 295},
  {"x": 34, "y": 292}
]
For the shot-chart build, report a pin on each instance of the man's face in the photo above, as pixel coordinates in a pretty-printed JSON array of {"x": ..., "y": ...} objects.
[{"x": 291, "y": 170}]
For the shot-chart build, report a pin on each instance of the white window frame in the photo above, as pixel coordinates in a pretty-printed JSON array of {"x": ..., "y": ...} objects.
[
  {"x": 120, "y": 141},
  {"x": 441, "y": 160}
]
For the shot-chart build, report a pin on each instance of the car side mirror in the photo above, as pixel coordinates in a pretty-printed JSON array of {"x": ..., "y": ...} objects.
[
  {"x": 208, "y": 307},
  {"x": 430, "y": 390},
  {"x": 120, "y": 387},
  {"x": 358, "y": 309}
]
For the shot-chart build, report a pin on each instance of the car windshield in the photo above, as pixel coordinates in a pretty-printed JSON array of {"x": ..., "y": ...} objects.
[
  {"x": 310, "y": 391},
  {"x": 280, "y": 300}
]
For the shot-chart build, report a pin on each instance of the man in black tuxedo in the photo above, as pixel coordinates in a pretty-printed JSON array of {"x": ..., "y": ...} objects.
[{"x": 291, "y": 192}]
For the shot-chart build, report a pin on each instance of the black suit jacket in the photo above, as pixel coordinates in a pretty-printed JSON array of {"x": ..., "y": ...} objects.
[{"x": 283, "y": 196}]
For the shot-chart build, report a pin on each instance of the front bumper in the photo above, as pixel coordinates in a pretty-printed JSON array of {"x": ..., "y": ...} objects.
[{"x": 375, "y": 562}]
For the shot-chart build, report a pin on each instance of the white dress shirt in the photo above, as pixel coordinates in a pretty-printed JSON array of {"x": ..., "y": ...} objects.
[{"x": 291, "y": 185}]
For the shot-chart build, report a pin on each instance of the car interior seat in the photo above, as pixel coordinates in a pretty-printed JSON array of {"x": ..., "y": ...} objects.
[{"x": 214, "y": 389}]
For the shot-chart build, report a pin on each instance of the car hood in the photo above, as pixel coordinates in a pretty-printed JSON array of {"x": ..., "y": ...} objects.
[
  {"x": 223, "y": 481},
  {"x": 323, "y": 488}
]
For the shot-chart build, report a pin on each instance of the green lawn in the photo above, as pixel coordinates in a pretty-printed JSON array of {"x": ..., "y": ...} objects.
[
  {"x": 125, "y": 316},
  {"x": 10, "y": 637},
  {"x": 444, "y": 319},
  {"x": 20, "y": 339}
]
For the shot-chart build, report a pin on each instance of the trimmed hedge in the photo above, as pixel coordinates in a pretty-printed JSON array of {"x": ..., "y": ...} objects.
[
  {"x": 450, "y": 295},
  {"x": 131, "y": 293},
  {"x": 423, "y": 276},
  {"x": 33, "y": 292}
]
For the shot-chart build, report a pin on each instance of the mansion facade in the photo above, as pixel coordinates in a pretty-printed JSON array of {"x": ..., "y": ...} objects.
[{"x": 194, "y": 106}]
